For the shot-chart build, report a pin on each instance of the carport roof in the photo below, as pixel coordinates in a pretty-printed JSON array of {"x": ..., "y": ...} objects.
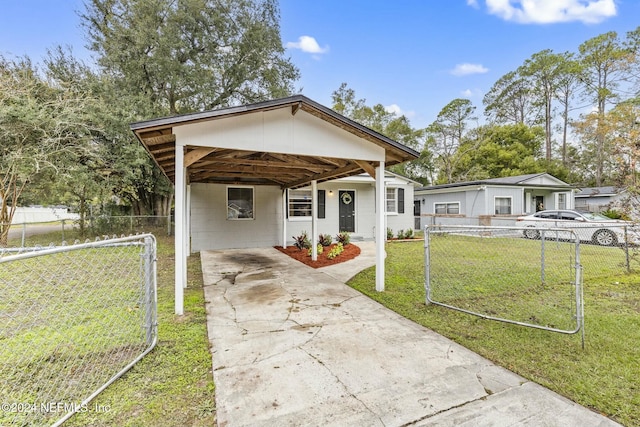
[{"x": 288, "y": 170}]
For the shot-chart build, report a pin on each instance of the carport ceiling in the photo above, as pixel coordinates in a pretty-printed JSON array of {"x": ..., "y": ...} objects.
[{"x": 230, "y": 166}]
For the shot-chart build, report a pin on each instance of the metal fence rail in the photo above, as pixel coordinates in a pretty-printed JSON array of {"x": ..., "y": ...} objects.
[
  {"x": 496, "y": 273},
  {"x": 72, "y": 320},
  {"x": 29, "y": 234}
]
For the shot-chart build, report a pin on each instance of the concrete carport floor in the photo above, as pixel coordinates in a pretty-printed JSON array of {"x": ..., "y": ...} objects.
[{"x": 294, "y": 346}]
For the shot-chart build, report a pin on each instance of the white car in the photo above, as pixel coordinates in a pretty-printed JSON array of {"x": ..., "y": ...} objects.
[{"x": 589, "y": 227}]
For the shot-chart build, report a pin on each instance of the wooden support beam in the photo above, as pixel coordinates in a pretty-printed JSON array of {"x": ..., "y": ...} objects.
[
  {"x": 367, "y": 167},
  {"x": 193, "y": 156},
  {"x": 295, "y": 108},
  {"x": 334, "y": 173}
]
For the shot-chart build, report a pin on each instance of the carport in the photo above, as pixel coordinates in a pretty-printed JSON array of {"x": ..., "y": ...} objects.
[{"x": 289, "y": 143}]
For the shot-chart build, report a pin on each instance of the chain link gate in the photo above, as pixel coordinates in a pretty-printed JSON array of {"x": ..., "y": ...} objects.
[
  {"x": 73, "y": 319},
  {"x": 498, "y": 273}
]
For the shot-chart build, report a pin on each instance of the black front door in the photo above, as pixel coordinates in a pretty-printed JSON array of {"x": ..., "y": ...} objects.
[{"x": 347, "y": 210}]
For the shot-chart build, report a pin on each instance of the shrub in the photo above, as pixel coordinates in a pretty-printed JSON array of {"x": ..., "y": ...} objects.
[
  {"x": 407, "y": 234},
  {"x": 319, "y": 247},
  {"x": 613, "y": 214},
  {"x": 389, "y": 233},
  {"x": 335, "y": 251},
  {"x": 344, "y": 238},
  {"x": 325, "y": 239},
  {"x": 302, "y": 241}
]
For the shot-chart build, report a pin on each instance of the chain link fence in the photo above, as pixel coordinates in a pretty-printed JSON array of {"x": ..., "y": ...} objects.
[
  {"x": 497, "y": 273},
  {"x": 72, "y": 320},
  {"x": 30, "y": 234}
]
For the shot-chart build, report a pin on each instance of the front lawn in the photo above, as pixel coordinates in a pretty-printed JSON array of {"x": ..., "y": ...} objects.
[
  {"x": 173, "y": 384},
  {"x": 603, "y": 376}
]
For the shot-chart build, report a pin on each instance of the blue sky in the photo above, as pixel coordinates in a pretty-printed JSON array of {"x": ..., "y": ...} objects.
[{"x": 412, "y": 56}]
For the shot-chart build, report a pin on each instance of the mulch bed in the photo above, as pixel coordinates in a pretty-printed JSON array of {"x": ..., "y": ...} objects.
[{"x": 350, "y": 252}]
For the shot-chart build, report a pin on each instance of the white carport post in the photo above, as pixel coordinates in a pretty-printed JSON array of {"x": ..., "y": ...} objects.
[
  {"x": 380, "y": 227},
  {"x": 284, "y": 218},
  {"x": 314, "y": 220},
  {"x": 180, "y": 240}
]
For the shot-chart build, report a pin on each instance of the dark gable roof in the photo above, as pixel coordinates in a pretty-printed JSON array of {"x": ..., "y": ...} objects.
[{"x": 517, "y": 180}]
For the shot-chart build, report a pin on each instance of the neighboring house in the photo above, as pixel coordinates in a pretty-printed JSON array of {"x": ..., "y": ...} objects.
[
  {"x": 35, "y": 214},
  {"x": 255, "y": 175},
  {"x": 598, "y": 199},
  {"x": 497, "y": 201}
]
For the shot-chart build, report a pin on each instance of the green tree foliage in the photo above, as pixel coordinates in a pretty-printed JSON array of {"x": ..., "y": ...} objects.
[
  {"x": 191, "y": 55},
  {"x": 445, "y": 136},
  {"x": 162, "y": 57},
  {"x": 494, "y": 151},
  {"x": 510, "y": 101},
  {"x": 387, "y": 123},
  {"x": 46, "y": 131},
  {"x": 545, "y": 70}
]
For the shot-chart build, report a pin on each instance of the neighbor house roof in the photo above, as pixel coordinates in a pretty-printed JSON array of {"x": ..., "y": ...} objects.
[
  {"x": 598, "y": 191},
  {"x": 264, "y": 166},
  {"x": 529, "y": 180}
]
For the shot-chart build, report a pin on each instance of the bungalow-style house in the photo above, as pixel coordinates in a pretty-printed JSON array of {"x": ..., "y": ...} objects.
[
  {"x": 496, "y": 201},
  {"x": 598, "y": 199},
  {"x": 256, "y": 175}
]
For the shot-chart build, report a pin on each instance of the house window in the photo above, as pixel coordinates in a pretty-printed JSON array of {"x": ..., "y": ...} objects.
[
  {"x": 299, "y": 203},
  {"x": 240, "y": 203},
  {"x": 395, "y": 200},
  {"x": 391, "y": 200},
  {"x": 447, "y": 208},
  {"x": 503, "y": 205},
  {"x": 562, "y": 201}
]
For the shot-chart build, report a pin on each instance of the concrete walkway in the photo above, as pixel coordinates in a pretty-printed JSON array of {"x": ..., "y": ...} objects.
[{"x": 294, "y": 346}]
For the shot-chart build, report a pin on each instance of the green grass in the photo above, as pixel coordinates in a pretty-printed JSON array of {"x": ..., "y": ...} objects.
[
  {"x": 171, "y": 386},
  {"x": 603, "y": 376}
]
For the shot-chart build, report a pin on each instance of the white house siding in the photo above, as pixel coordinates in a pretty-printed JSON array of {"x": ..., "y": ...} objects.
[
  {"x": 365, "y": 211},
  {"x": 364, "y": 206},
  {"x": 278, "y": 131},
  {"x": 210, "y": 228}
]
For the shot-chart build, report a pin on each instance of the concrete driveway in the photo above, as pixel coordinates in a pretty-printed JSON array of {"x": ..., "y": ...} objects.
[{"x": 294, "y": 346}]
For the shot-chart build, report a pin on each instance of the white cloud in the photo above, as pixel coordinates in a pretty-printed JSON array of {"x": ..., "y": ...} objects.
[
  {"x": 552, "y": 11},
  {"x": 466, "y": 68},
  {"x": 471, "y": 93},
  {"x": 307, "y": 44},
  {"x": 473, "y": 3},
  {"x": 395, "y": 109}
]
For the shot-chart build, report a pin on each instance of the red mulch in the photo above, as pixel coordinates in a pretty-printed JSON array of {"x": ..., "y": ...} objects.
[{"x": 350, "y": 252}]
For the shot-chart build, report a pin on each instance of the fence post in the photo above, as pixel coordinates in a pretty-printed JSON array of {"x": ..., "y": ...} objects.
[
  {"x": 626, "y": 248},
  {"x": 427, "y": 266},
  {"x": 24, "y": 233},
  {"x": 579, "y": 292},
  {"x": 542, "y": 260},
  {"x": 149, "y": 288}
]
